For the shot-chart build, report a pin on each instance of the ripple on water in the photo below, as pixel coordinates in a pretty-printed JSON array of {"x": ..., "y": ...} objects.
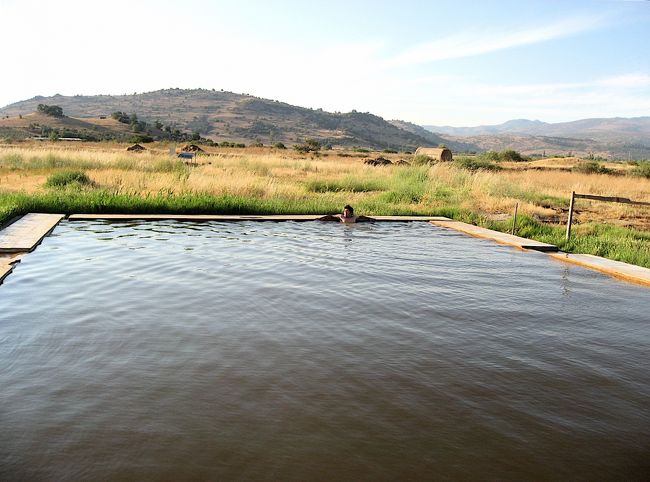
[{"x": 301, "y": 351}]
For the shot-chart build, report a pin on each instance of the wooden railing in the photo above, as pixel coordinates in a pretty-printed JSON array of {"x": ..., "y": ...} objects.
[{"x": 594, "y": 197}]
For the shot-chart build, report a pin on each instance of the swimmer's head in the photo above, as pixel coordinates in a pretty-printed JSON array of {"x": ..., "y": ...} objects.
[{"x": 348, "y": 211}]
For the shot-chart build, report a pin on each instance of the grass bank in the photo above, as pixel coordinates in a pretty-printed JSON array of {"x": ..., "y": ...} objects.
[{"x": 105, "y": 179}]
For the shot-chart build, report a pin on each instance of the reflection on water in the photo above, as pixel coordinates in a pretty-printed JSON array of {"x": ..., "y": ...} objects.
[{"x": 315, "y": 351}]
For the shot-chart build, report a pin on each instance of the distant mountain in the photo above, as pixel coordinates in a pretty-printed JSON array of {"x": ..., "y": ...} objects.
[
  {"x": 637, "y": 128},
  {"x": 228, "y": 116},
  {"x": 435, "y": 139},
  {"x": 615, "y": 137}
]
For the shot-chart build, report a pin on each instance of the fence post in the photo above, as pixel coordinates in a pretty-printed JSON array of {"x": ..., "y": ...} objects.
[
  {"x": 570, "y": 220},
  {"x": 514, "y": 219}
]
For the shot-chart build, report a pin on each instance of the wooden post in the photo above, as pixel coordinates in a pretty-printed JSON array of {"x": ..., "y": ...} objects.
[
  {"x": 570, "y": 220},
  {"x": 514, "y": 219}
]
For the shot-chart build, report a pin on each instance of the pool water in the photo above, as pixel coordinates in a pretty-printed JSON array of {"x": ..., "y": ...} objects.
[{"x": 316, "y": 351}]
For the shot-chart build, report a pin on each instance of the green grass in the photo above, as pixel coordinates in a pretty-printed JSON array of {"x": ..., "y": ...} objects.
[
  {"x": 347, "y": 184},
  {"x": 48, "y": 161},
  {"x": 613, "y": 242},
  {"x": 68, "y": 178},
  {"x": 408, "y": 191}
]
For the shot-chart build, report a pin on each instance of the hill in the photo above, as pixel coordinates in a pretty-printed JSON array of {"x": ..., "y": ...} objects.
[
  {"x": 38, "y": 124},
  {"x": 220, "y": 115},
  {"x": 616, "y": 128}
]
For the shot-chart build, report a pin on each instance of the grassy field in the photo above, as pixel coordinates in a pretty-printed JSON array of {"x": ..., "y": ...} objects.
[{"x": 103, "y": 178}]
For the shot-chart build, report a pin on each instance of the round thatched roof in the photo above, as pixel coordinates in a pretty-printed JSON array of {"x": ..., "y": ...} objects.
[{"x": 191, "y": 148}]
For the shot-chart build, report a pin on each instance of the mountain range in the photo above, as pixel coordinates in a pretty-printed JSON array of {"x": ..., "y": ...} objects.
[
  {"x": 616, "y": 128},
  {"x": 222, "y": 115}
]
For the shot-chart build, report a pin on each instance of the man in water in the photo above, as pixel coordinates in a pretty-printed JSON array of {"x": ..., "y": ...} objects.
[{"x": 347, "y": 216}]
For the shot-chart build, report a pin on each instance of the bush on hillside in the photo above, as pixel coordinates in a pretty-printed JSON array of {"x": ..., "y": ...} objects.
[
  {"x": 476, "y": 164},
  {"x": 591, "y": 167},
  {"x": 642, "y": 169},
  {"x": 51, "y": 110}
]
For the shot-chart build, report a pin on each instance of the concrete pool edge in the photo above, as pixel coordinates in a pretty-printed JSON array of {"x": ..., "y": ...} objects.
[
  {"x": 23, "y": 235},
  {"x": 499, "y": 237},
  {"x": 237, "y": 217},
  {"x": 617, "y": 269}
]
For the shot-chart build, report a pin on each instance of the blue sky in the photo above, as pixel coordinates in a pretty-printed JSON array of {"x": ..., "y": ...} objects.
[{"x": 445, "y": 62}]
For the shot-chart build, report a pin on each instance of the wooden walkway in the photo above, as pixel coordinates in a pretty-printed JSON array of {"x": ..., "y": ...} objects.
[
  {"x": 233, "y": 217},
  {"x": 25, "y": 234},
  {"x": 502, "y": 238}
]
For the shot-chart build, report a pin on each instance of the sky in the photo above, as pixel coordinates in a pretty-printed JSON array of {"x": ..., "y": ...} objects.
[{"x": 457, "y": 62}]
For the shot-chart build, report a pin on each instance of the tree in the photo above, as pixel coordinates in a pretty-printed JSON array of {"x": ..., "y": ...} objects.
[
  {"x": 159, "y": 125},
  {"x": 51, "y": 110}
]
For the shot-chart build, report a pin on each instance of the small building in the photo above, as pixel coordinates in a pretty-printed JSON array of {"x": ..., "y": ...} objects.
[{"x": 436, "y": 153}]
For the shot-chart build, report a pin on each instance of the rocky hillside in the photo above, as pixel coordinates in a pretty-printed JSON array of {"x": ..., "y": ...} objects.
[{"x": 234, "y": 117}]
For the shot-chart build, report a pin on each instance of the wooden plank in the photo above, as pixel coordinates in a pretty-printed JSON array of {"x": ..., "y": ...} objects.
[
  {"x": 25, "y": 234},
  {"x": 623, "y": 200},
  {"x": 502, "y": 238},
  {"x": 618, "y": 269},
  {"x": 233, "y": 217}
]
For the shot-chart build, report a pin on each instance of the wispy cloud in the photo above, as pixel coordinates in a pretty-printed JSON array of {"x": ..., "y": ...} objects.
[
  {"x": 468, "y": 103},
  {"x": 468, "y": 44}
]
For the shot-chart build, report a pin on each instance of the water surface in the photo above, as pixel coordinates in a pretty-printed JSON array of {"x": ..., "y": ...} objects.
[{"x": 316, "y": 351}]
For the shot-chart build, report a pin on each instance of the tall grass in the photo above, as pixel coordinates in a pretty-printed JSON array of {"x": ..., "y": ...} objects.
[{"x": 285, "y": 182}]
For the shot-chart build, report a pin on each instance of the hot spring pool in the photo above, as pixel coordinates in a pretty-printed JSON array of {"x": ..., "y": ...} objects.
[{"x": 316, "y": 351}]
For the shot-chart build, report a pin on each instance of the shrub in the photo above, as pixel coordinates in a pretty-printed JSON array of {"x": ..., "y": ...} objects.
[
  {"x": 591, "y": 167},
  {"x": 475, "y": 164},
  {"x": 67, "y": 178},
  {"x": 122, "y": 117},
  {"x": 422, "y": 159},
  {"x": 313, "y": 144},
  {"x": 51, "y": 110},
  {"x": 279, "y": 145},
  {"x": 141, "y": 139},
  {"x": 511, "y": 156},
  {"x": 389, "y": 151},
  {"x": 256, "y": 144},
  {"x": 642, "y": 169},
  {"x": 508, "y": 155}
]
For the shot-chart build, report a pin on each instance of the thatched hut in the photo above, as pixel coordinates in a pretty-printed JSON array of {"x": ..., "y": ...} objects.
[
  {"x": 191, "y": 148},
  {"x": 435, "y": 153}
]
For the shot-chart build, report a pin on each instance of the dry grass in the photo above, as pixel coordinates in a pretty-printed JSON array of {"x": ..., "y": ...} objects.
[{"x": 267, "y": 174}]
